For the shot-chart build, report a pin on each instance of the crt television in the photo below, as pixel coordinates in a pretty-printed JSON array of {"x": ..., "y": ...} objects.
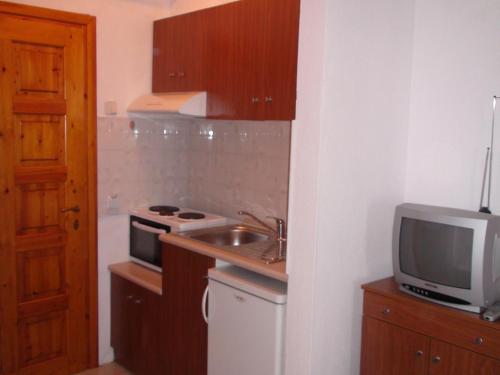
[{"x": 448, "y": 256}]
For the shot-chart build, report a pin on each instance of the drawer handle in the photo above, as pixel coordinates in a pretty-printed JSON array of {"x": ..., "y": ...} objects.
[
  {"x": 436, "y": 359},
  {"x": 130, "y": 296},
  {"x": 419, "y": 353},
  {"x": 478, "y": 340},
  {"x": 386, "y": 311},
  {"x": 138, "y": 301}
]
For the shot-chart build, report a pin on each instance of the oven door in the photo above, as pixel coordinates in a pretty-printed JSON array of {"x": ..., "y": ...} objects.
[{"x": 145, "y": 245}]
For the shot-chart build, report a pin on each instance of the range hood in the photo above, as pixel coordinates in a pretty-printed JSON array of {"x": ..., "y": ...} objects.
[{"x": 176, "y": 103}]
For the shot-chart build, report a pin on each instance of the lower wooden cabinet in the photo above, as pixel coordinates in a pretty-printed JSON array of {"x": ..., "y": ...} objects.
[
  {"x": 135, "y": 333},
  {"x": 184, "y": 280},
  {"x": 391, "y": 350},
  {"x": 446, "y": 359},
  {"x": 403, "y": 335}
]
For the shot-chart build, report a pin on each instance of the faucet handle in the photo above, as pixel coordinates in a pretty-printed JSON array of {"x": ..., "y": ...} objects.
[
  {"x": 278, "y": 220},
  {"x": 280, "y": 227}
]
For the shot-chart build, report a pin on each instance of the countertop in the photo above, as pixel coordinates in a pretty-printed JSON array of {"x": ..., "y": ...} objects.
[
  {"x": 275, "y": 270},
  {"x": 138, "y": 274}
]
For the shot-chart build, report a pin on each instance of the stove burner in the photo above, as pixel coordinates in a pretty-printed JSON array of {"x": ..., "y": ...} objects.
[
  {"x": 164, "y": 210},
  {"x": 191, "y": 215}
]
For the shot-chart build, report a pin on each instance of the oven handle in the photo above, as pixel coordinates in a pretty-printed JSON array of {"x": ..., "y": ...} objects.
[{"x": 147, "y": 228}]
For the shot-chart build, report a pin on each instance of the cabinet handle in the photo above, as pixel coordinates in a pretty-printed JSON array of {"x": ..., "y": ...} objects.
[
  {"x": 255, "y": 99},
  {"x": 268, "y": 99},
  {"x": 436, "y": 359},
  {"x": 138, "y": 301},
  {"x": 181, "y": 74},
  {"x": 386, "y": 311},
  {"x": 478, "y": 340},
  {"x": 419, "y": 353},
  {"x": 171, "y": 74}
]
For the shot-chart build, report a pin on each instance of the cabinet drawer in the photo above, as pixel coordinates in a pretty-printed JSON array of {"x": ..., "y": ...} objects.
[{"x": 435, "y": 321}]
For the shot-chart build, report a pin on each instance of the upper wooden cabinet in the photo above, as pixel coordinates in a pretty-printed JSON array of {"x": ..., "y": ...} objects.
[
  {"x": 179, "y": 53},
  {"x": 244, "y": 54}
]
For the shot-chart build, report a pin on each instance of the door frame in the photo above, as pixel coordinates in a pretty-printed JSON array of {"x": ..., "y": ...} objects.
[{"x": 88, "y": 23}]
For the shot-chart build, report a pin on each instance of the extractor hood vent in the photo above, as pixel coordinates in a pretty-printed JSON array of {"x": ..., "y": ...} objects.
[{"x": 178, "y": 103}]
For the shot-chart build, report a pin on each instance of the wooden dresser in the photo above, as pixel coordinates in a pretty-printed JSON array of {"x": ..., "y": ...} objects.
[{"x": 405, "y": 335}]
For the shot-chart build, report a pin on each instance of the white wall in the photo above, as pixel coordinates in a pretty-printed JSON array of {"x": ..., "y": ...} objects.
[
  {"x": 303, "y": 190},
  {"x": 185, "y": 6},
  {"x": 362, "y": 167},
  {"x": 362, "y": 133},
  {"x": 456, "y": 72},
  {"x": 124, "y": 44},
  {"x": 113, "y": 248}
]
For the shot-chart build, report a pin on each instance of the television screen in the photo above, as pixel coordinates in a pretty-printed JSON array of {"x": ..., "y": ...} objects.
[{"x": 435, "y": 252}]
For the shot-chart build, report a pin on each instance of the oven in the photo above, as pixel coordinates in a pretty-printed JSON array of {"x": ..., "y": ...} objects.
[{"x": 145, "y": 244}]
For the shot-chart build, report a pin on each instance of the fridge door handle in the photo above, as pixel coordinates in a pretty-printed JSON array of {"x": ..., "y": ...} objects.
[{"x": 204, "y": 305}]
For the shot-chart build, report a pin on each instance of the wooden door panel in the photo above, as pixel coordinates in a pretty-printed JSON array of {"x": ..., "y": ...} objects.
[
  {"x": 40, "y": 139},
  {"x": 42, "y": 338},
  {"x": 447, "y": 359},
  {"x": 39, "y": 208},
  {"x": 39, "y": 69},
  {"x": 390, "y": 350},
  {"x": 41, "y": 273}
]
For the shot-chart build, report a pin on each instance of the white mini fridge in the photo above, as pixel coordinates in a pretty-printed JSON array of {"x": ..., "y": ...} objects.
[{"x": 246, "y": 322}]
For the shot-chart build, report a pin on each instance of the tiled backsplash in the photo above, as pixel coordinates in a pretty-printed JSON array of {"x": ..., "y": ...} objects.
[{"x": 215, "y": 166}]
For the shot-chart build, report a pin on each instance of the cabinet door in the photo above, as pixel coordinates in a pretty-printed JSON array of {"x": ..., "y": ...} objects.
[
  {"x": 183, "y": 327},
  {"x": 179, "y": 53},
  {"x": 150, "y": 342},
  {"x": 165, "y": 59},
  {"x": 233, "y": 62},
  {"x": 391, "y": 350},
  {"x": 447, "y": 359},
  {"x": 125, "y": 318},
  {"x": 192, "y": 51},
  {"x": 278, "y": 70}
]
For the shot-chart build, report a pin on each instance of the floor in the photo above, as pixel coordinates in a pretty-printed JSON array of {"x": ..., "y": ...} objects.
[{"x": 108, "y": 369}]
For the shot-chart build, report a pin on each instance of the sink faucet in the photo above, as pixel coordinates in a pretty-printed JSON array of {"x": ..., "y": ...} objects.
[
  {"x": 280, "y": 225},
  {"x": 280, "y": 232}
]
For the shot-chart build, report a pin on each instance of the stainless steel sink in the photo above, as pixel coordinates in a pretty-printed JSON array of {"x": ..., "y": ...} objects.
[
  {"x": 241, "y": 239},
  {"x": 236, "y": 235}
]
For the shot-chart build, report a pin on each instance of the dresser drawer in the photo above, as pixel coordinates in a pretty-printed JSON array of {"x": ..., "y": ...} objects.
[{"x": 435, "y": 321}]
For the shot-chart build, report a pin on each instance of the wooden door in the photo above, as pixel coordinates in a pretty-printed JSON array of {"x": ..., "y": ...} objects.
[
  {"x": 391, "y": 350},
  {"x": 186, "y": 333},
  {"x": 447, "y": 359},
  {"x": 47, "y": 192}
]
